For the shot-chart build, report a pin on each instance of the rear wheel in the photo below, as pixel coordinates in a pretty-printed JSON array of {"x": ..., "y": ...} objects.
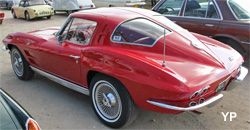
[
  {"x": 1, "y": 21},
  {"x": 234, "y": 44},
  {"x": 27, "y": 16},
  {"x": 20, "y": 65},
  {"x": 48, "y": 17},
  {"x": 14, "y": 14},
  {"x": 112, "y": 102}
]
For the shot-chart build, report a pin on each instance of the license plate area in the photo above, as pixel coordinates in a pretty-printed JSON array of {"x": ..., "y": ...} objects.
[{"x": 222, "y": 85}]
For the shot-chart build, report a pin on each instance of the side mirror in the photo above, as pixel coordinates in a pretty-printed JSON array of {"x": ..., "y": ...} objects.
[{"x": 59, "y": 40}]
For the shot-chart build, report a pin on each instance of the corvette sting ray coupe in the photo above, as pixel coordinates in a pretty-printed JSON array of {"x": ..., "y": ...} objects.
[
  {"x": 128, "y": 58},
  {"x": 30, "y": 9}
]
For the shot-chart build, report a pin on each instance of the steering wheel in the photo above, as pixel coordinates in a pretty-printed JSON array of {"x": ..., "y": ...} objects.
[{"x": 169, "y": 8}]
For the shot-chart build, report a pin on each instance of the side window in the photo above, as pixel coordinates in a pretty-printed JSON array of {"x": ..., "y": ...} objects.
[
  {"x": 170, "y": 7},
  {"x": 138, "y": 32},
  {"x": 21, "y": 4},
  {"x": 79, "y": 31},
  {"x": 200, "y": 8}
]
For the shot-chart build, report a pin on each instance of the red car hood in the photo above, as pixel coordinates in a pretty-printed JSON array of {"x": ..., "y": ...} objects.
[{"x": 45, "y": 32}]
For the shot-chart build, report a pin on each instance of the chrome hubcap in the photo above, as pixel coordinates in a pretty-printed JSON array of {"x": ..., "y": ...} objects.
[
  {"x": 17, "y": 63},
  {"x": 107, "y": 101}
]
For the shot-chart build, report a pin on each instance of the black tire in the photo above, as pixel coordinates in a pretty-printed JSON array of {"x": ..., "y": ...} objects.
[
  {"x": 69, "y": 12},
  {"x": 14, "y": 14},
  {"x": 27, "y": 16},
  {"x": 1, "y": 21},
  {"x": 234, "y": 44},
  {"x": 20, "y": 65},
  {"x": 112, "y": 102},
  {"x": 48, "y": 17}
]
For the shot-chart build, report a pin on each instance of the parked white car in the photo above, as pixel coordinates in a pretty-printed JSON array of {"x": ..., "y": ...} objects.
[
  {"x": 71, "y": 6},
  {"x": 119, "y": 3}
]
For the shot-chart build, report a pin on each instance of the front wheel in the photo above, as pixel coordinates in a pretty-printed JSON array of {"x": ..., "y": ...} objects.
[
  {"x": 20, "y": 65},
  {"x": 112, "y": 102},
  {"x": 27, "y": 16},
  {"x": 14, "y": 14}
]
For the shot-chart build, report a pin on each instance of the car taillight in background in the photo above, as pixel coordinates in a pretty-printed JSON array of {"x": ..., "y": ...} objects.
[
  {"x": 32, "y": 125},
  {"x": 2, "y": 15},
  {"x": 92, "y": 6},
  {"x": 80, "y": 7},
  {"x": 51, "y": 0}
]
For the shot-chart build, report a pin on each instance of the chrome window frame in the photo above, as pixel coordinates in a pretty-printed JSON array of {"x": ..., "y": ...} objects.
[
  {"x": 69, "y": 20},
  {"x": 230, "y": 8},
  {"x": 218, "y": 11},
  {"x": 173, "y": 15},
  {"x": 128, "y": 43}
]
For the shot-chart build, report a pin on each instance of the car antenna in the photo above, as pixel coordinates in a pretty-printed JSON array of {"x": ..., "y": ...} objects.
[{"x": 164, "y": 51}]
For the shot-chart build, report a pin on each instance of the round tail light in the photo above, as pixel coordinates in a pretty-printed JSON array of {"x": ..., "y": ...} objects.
[
  {"x": 191, "y": 104},
  {"x": 202, "y": 100},
  {"x": 32, "y": 125}
]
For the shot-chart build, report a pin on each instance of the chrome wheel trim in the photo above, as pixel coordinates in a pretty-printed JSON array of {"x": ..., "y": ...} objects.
[
  {"x": 27, "y": 16},
  {"x": 17, "y": 62},
  {"x": 107, "y": 101}
]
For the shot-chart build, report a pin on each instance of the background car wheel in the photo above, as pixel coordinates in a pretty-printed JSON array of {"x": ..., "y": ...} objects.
[
  {"x": 14, "y": 14},
  {"x": 112, "y": 102},
  {"x": 69, "y": 12},
  {"x": 234, "y": 45},
  {"x": 48, "y": 17},
  {"x": 1, "y": 21},
  {"x": 27, "y": 16},
  {"x": 20, "y": 65}
]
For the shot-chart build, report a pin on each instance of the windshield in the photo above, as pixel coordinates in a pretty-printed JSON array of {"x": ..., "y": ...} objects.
[
  {"x": 240, "y": 8},
  {"x": 36, "y": 2}
]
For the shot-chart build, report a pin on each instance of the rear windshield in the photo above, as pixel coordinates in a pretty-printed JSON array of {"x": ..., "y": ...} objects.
[
  {"x": 241, "y": 8},
  {"x": 36, "y": 2},
  {"x": 138, "y": 31}
]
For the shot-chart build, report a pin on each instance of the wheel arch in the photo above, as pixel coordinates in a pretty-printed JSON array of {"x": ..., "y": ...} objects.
[{"x": 228, "y": 37}]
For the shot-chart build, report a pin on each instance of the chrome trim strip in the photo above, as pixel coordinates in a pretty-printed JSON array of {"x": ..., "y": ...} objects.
[
  {"x": 62, "y": 81},
  {"x": 170, "y": 31},
  {"x": 211, "y": 100},
  {"x": 14, "y": 102},
  {"x": 5, "y": 48},
  {"x": 248, "y": 43}
]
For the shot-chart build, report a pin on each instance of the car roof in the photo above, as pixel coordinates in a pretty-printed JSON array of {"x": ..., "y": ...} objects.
[{"x": 116, "y": 15}]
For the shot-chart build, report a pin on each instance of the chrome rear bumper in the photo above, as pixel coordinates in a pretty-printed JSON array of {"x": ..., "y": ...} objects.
[
  {"x": 237, "y": 81},
  {"x": 211, "y": 102},
  {"x": 5, "y": 48}
]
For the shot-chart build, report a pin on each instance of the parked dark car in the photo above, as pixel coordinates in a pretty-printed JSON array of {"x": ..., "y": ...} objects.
[
  {"x": 13, "y": 116},
  {"x": 6, "y": 3},
  {"x": 225, "y": 20}
]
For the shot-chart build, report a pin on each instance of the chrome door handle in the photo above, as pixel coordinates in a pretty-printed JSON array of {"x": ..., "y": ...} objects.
[
  {"x": 209, "y": 25},
  {"x": 76, "y": 57}
]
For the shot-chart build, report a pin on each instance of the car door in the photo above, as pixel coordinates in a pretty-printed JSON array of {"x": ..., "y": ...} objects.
[
  {"x": 200, "y": 16},
  {"x": 64, "y": 59},
  {"x": 170, "y": 8},
  {"x": 20, "y": 9}
]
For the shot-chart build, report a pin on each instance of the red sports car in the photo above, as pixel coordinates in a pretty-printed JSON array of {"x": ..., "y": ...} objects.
[
  {"x": 1, "y": 17},
  {"x": 128, "y": 58}
]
